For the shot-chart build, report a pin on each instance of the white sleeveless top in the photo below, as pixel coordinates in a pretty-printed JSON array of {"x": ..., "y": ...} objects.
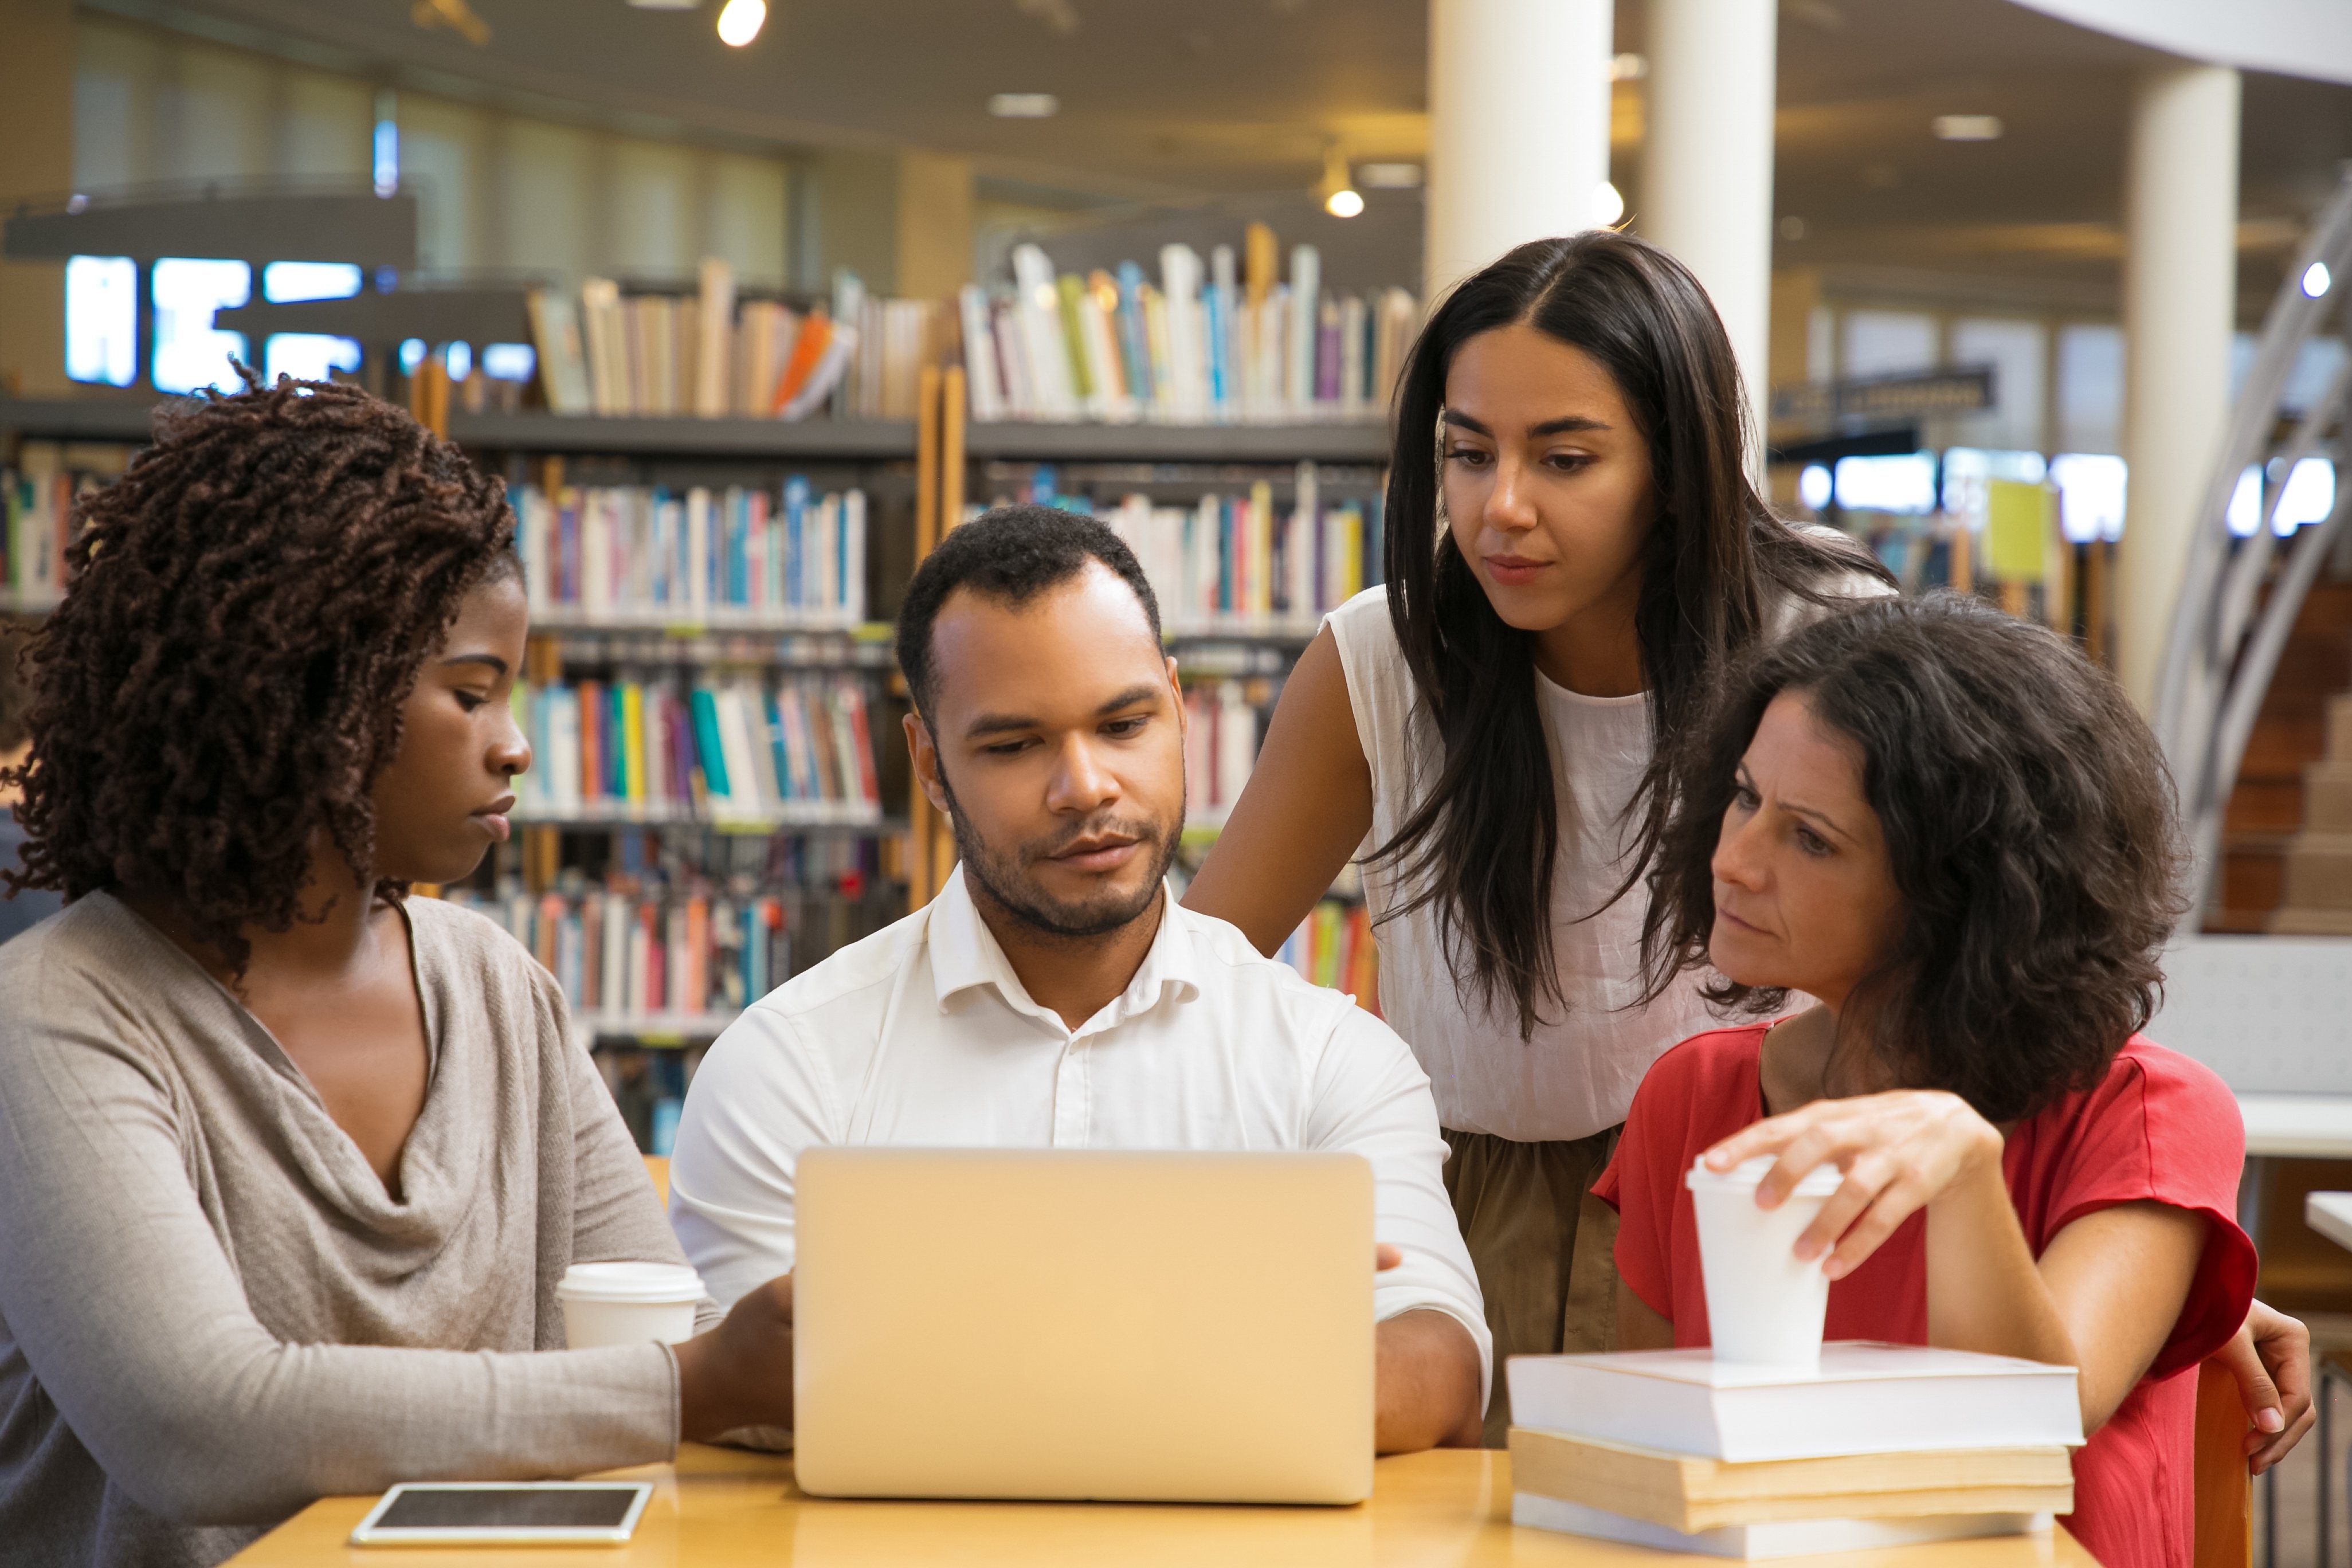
[{"x": 1576, "y": 1075}]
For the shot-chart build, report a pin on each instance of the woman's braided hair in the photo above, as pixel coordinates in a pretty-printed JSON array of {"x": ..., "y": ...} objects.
[{"x": 245, "y": 610}]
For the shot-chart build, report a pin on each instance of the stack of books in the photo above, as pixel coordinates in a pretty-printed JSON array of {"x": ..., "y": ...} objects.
[
  {"x": 1223, "y": 343},
  {"x": 735, "y": 557},
  {"x": 1884, "y": 1445}
]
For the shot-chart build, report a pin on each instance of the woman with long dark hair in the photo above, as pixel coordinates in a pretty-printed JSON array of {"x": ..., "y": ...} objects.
[
  {"x": 1573, "y": 551},
  {"x": 293, "y": 1162}
]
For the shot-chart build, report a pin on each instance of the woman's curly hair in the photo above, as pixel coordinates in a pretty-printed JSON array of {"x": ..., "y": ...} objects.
[
  {"x": 2030, "y": 830},
  {"x": 245, "y": 610}
]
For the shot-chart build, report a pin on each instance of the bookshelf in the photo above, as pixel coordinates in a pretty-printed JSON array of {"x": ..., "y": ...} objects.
[{"x": 686, "y": 615}]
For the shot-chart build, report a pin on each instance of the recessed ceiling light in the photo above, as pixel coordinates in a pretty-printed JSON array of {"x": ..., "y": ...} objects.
[
  {"x": 1608, "y": 204},
  {"x": 1345, "y": 202},
  {"x": 1023, "y": 105},
  {"x": 2316, "y": 280},
  {"x": 1966, "y": 127},
  {"x": 1389, "y": 176},
  {"x": 740, "y": 22}
]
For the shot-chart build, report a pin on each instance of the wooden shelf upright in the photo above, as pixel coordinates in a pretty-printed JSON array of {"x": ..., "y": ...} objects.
[{"x": 938, "y": 507}]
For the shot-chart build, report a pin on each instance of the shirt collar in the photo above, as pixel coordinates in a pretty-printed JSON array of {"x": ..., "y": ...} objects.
[{"x": 964, "y": 954}]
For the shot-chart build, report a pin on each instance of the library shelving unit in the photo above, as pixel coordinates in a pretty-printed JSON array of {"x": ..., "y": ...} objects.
[{"x": 673, "y": 860}]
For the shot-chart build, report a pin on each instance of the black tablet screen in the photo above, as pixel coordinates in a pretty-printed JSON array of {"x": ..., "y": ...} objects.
[{"x": 515, "y": 1507}]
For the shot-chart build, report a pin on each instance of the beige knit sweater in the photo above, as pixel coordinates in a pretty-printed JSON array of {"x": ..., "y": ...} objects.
[{"x": 211, "y": 1312}]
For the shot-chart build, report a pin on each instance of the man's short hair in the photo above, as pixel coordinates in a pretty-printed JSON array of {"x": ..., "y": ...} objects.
[{"x": 1011, "y": 554}]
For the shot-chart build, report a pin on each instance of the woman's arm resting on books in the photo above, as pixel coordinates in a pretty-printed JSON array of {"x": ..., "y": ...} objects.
[
  {"x": 1306, "y": 808},
  {"x": 1425, "y": 1384},
  {"x": 2271, "y": 1358},
  {"x": 2119, "y": 1278},
  {"x": 2102, "y": 1298}
]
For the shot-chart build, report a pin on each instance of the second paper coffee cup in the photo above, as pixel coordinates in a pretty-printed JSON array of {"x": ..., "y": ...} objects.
[
  {"x": 1764, "y": 1306},
  {"x": 627, "y": 1303}
]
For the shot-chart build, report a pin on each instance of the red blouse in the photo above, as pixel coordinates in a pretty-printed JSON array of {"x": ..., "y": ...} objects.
[{"x": 2159, "y": 1128}]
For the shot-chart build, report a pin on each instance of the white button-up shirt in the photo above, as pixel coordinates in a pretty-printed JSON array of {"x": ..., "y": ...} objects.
[{"x": 922, "y": 1034}]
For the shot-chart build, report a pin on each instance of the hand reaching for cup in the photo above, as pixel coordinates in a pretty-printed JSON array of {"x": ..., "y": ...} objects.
[{"x": 1899, "y": 1151}]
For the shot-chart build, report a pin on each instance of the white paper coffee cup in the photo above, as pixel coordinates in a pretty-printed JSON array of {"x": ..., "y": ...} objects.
[
  {"x": 1764, "y": 1306},
  {"x": 629, "y": 1303}
]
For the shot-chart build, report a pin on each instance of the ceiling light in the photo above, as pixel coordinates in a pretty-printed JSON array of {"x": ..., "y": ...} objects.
[
  {"x": 1608, "y": 204},
  {"x": 1023, "y": 105},
  {"x": 740, "y": 23},
  {"x": 1966, "y": 127},
  {"x": 1338, "y": 192},
  {"x": 2316, "y": 280},
  {"x": 1389, "y": 176}
]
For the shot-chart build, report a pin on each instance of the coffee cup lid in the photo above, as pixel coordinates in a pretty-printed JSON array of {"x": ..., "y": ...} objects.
[
  {"x": 652, "y": 1282},
  {"x": 1818, "y": 1183}
]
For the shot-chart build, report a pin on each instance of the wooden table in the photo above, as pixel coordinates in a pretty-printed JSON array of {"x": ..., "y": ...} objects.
[
  {"x": 2287, "y": 1126},
  {"x": 718, "y": 1506},
  {"x": 2329, "y": 1213}
]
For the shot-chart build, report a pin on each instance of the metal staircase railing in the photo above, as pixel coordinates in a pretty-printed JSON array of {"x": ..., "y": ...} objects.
[{"x": 2223, "y": 648}]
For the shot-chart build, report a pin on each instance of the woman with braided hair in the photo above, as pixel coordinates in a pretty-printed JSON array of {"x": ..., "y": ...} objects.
[{"x": 293, "y": 1162}]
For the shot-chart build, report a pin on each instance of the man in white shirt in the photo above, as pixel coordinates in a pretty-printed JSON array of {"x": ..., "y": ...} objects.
[{"x": 1053, "y": 995}]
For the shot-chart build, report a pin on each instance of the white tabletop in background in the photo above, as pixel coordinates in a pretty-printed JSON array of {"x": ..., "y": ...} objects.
[
  {"x": 2329, "y": 1213},
  {"x": 2310, "y": 1126}
]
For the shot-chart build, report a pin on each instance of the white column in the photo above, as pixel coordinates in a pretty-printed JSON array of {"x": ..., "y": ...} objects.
[
  {"x": 1518, "y": 127},
  {"x": 2181, "y": 302},
  {"x": 1706, "y": 162}
]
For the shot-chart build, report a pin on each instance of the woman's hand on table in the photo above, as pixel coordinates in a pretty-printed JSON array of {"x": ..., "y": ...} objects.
[
  {"x": 1900, "y": 1152},
  {"x": 740, "y": 1373},
  {"x": 2271, "y": 1358}
]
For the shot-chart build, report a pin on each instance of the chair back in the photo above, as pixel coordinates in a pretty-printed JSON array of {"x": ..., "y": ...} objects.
[
  {"x": 2225, "y": 1511},
  {"x": 657, "y": 1167}
]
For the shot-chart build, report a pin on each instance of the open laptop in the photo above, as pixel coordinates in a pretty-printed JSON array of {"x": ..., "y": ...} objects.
[{"x": 1053, "y": 1323}]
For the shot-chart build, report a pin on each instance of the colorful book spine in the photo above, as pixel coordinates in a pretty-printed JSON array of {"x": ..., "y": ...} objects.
[
  {"x": 626, "y": 751},
  {"x": 731, "y": 557}
]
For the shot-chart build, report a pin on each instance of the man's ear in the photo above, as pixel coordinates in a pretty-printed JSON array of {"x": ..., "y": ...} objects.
[{"x": 925, "y": 756}]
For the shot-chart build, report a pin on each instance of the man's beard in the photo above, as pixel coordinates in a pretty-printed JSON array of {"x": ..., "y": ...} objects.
[{"x": 1004, "y": 879}]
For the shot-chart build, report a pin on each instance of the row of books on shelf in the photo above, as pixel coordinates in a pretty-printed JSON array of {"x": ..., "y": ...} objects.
[
  {"x": 679, "y": 962},
  {"x": 37, "y": 492},
  {"x": 1227, "y": 343},
  {"x": 1220, "y": 734},
  {"x": 704, "y": 351},
  {"x": 628, "y": 750},
  {"x": 741, "y": 556},
  {"x": 1238, "y": 563},
  {"x": 1333, "y": 947}
]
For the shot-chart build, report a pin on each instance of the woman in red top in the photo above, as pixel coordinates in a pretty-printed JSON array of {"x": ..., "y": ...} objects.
[{"x": 1956, "y": 834}]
